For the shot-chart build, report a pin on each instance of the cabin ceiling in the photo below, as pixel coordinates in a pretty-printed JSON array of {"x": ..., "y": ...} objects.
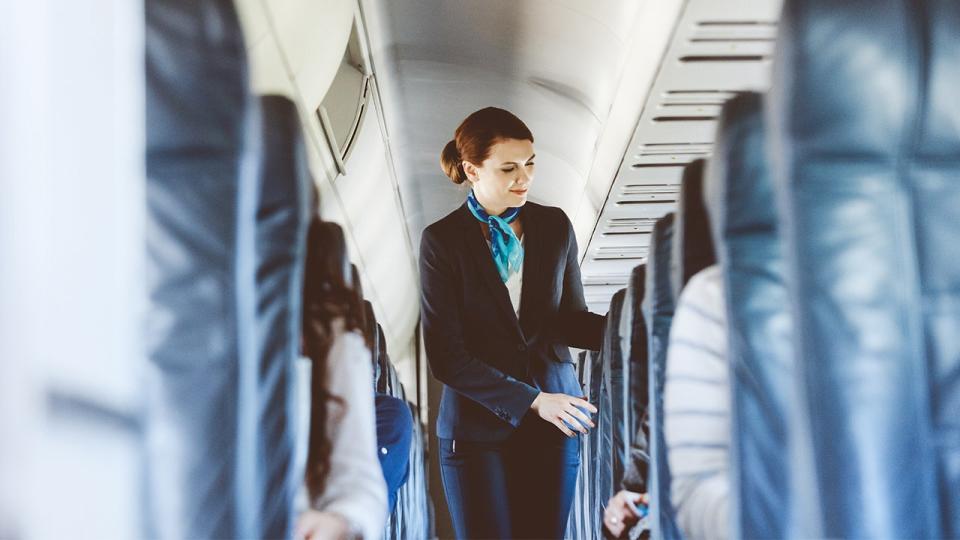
[{"x": 556, "y": 64}]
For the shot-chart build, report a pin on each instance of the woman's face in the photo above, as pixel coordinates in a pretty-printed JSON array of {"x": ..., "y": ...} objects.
[{"x": 503, "y": 179}]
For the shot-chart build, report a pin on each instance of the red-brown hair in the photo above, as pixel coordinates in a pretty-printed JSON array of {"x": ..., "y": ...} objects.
[
  {"x": 330, "y": 291},
  {"x": 476, "y": 135}
]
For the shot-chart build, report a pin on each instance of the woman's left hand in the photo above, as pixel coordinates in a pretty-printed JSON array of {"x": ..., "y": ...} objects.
[
  {"x": 319, "y": 525},
  {"x": 562, "y": 410}
]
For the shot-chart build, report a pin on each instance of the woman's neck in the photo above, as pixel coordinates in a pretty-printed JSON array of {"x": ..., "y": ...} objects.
[{"x": 490, "y": 209}]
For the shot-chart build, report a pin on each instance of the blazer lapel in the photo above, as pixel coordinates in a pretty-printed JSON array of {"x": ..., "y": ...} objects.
[
  {"x": 532, "y": 272},
  {"x": 478, "y": 248}
]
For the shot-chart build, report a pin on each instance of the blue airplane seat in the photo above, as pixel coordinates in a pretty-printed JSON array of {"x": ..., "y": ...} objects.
[
  {"x": 691, "y": 229},
  {"x": 224, "y": 256},
  {"x": 744, "y": 219},
  {"x": 614, "y": 449},
  {"x": 865, "y": 124},
  {"x": 658, "y": 307},
  {"x": 638, "y": 351}
]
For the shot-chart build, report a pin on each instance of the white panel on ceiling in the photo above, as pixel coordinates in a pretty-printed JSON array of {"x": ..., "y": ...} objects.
[
  {"x": 312, "y": 36},
  {"x": 253, "y": 20},
  {"x": 559, "y": 65},
  {"x": 720, "y": 47}
]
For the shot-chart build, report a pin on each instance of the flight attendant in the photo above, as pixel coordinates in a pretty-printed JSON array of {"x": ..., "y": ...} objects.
[{"x": 501, "y": 303}]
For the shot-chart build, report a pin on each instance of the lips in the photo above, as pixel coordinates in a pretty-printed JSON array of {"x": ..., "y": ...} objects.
[{"x": 519, "y": 191}]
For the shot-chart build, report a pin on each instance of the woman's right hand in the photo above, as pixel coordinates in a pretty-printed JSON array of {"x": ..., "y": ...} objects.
[
  {"x": 622, "y": 513},
  {"x": 560, "y": 408},
  {"x": 320, "y": 525}
]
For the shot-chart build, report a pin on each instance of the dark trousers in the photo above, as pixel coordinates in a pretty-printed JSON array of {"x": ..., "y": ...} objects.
[{"x": 519, "y": 488}]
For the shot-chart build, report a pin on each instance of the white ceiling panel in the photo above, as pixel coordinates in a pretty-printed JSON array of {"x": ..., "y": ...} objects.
[{"x": 556, "y": 64}]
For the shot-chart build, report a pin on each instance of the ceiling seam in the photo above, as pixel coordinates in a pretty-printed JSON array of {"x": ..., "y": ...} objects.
[{"x": 653, "y": 82}]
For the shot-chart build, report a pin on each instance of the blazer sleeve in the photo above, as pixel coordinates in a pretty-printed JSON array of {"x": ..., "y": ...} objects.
[
  {"x": 449, "y": 359},
  {"x": 574, "y": 326}
]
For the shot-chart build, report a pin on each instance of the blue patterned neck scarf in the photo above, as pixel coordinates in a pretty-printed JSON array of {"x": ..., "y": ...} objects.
[{"x": 507, "y": 251}]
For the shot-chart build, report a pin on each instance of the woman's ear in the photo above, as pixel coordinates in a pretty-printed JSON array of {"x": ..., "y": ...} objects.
[{"x": 471, "y": 171}]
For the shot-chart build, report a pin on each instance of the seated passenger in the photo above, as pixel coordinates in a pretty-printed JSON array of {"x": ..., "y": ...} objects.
[
  {"x": 394, "y": 436},
  {"x": 624, "y": 512},
  {"x": 344, "y": 482},
  {"x": 697, "y": 409}
]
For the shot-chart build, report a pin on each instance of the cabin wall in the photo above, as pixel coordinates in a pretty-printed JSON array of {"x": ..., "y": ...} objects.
[{"x": 295, "y": 49}]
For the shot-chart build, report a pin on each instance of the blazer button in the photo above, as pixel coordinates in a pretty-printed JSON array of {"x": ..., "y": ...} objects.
[{"x": 521, "y": 347}]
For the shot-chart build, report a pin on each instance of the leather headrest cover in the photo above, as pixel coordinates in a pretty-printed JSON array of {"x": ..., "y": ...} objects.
[
  {"x": 693, "y": 245},
  {"x": 736, "y": 202}
]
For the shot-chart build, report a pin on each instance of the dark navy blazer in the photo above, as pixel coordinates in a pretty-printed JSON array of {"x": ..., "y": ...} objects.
[{"x": 492, "y": 364}]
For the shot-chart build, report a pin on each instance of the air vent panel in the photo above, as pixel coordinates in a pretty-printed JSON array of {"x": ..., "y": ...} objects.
[{"x": 720, "y": 48}]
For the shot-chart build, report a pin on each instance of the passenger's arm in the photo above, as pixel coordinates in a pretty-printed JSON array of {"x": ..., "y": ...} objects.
[
  {"x": 449, "y": 359},
  {"x": 355, "y": 488},
  {"x": 574, "y": 326},
  {"x": 697, "y": 410}
]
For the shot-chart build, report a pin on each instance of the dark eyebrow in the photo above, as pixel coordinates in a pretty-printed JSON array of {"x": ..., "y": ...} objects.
[{"x": 529, "y": 159}]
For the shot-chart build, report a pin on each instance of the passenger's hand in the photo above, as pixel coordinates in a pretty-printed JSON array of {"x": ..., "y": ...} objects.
[
  {"x": 560, "y": 408},
  {"x": 318, "y": 525},
  {"x": 621, "y": 513}
]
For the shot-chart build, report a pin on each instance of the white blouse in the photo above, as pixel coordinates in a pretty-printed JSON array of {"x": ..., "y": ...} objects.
[
  {"x": 514, "y": 282},
  {"x": 355, "y": 488}
]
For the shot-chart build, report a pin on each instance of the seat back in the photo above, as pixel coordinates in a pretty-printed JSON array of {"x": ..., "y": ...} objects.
[
  {"x": 373, "y": 328},
  {"x": 204, "y": 393},
  {"x": 615, "y": 451},
  {"x": 637, "y": 353},
  {"x": 384, "y": 367},
  {"x": 865, "y": 122},
  {"x": 592, "y": 388},
  {"x": 658, "y": 306},
  {"x": 582, "y": 513},
  {"x": 691, "y": 229},
  {"x": 744, "y": 220}
]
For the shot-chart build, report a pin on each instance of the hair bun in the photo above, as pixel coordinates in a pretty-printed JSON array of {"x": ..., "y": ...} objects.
[{"x": 452, "y": 163}]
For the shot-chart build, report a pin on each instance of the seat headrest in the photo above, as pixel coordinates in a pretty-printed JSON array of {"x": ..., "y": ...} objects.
[
  {"x": 370, "y": 318},
  {"x": 326, "y": 259},
  {"x": 737, "y": 200},
  {"x": 638, "y": 283},
  {"x": 370, "y": 329},
  {"x": 864, "y": 125},
  {"x": 382, "y": 361},
  {"x": 693, "y": 245},
  {"x": 631, "y": 310},
  {"x": 868, "y": 79},
  {"x": 355, "y": 279},
  {"x": 283, "y": 143},
  {"x": 614, "y": 328},
  {"x": 381, "y": 340},
  {"x": 658, "y": 297}
]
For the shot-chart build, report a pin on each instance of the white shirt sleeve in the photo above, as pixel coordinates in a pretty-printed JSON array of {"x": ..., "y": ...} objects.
[
  {"x": 697, "y": 409},
  {"x": 355, "y": 487}
]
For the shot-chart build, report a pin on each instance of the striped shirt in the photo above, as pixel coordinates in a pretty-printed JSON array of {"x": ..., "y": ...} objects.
[{"x": 697, "y": 409}]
